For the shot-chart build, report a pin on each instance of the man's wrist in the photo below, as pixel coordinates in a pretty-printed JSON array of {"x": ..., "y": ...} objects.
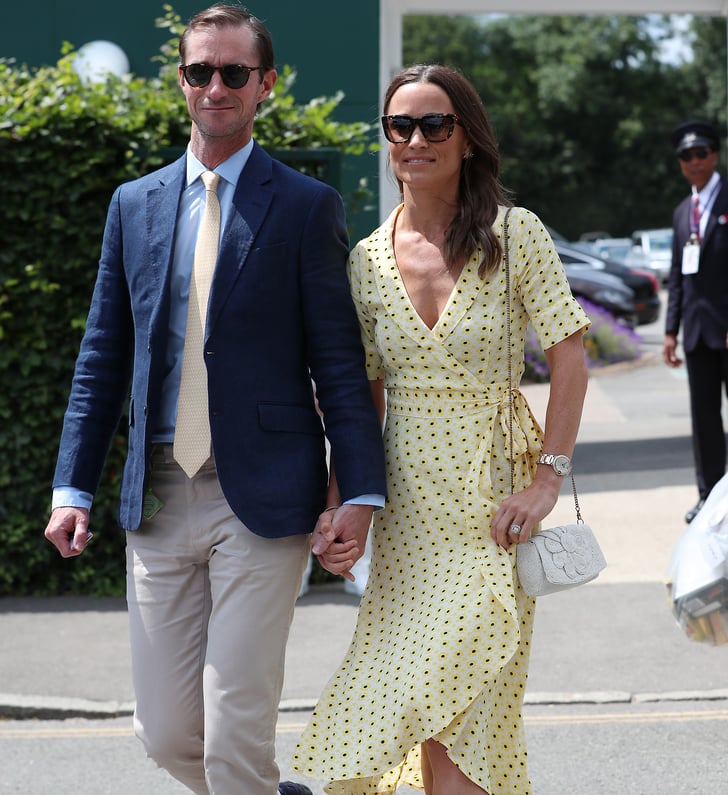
[
  {"x": 68, "y": 497},
  {"x": 375, "y": 501}
]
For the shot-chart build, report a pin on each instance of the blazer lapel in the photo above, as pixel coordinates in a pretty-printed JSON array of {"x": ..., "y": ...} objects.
[
  {"x": 251, "y": 201},
  {"x": 161, "y": 217}
]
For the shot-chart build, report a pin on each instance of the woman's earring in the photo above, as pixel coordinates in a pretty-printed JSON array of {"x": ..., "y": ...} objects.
[{"x": 467, "y": 154}]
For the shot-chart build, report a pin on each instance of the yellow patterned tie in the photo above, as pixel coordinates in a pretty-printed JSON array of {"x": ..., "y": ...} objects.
[{"x": 192, "y": 443}]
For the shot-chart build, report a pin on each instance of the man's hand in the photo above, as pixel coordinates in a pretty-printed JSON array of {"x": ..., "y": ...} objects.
[
  {"x": 339, "y": 538},
  {"x": 68, "y": 531},
  {"x": 669, "y": 351}
]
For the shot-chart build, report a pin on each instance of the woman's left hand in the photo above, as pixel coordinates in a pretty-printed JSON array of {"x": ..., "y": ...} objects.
[{"x": 524, "y": 510}]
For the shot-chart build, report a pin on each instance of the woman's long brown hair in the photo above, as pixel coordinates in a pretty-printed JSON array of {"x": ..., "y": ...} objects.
[{"x": 480, "y": 190}]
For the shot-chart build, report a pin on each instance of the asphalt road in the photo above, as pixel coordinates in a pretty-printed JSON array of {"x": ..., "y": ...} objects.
[{"x": 586, "y": 749}]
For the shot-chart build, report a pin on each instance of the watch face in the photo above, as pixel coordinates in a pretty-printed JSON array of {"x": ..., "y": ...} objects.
[{"x": 562, "y": 465}]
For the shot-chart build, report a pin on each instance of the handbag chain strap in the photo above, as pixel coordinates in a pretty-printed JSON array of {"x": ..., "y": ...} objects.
[{"x": 506, "y": 267}]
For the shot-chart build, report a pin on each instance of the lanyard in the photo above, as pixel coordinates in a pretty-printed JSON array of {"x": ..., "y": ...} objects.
[{"x": 696, "y": 215}]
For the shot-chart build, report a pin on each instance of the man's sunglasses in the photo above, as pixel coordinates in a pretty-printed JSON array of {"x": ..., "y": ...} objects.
[
  {"x": 234, "y": 75},
  {"x": 689, "y": 154},
  {"x": 435, "y": 127}
]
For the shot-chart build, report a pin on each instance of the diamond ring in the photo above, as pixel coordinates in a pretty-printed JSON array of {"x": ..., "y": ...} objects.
[{"x": 515, "y": 530}]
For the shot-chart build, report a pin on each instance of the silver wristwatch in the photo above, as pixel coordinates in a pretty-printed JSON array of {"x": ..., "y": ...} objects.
[{"x": 560, "y": 463}]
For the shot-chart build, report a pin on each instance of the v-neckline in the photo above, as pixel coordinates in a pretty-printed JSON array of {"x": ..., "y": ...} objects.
[{"x": 400, "y": 279}]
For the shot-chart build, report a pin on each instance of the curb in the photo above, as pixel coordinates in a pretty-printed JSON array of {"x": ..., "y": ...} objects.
[
  {"x": 53, "y": 708},
  {"x": 14, "y": 707},
  {"x": 623, "y": 697}
]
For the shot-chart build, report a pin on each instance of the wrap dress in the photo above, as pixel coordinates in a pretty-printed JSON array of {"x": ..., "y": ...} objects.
[{"x": 441, "y": 645}]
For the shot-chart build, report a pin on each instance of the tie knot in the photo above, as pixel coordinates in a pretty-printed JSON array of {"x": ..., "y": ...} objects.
[{"x": 211, "y": 180}]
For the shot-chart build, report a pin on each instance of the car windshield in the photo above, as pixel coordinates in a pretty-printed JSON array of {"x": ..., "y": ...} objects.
[
  {"x": 661, "y": 242},
  {"x": 614, "y": 250}
]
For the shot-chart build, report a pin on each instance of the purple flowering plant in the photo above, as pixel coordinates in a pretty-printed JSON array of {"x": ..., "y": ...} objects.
[{"x": 606, "y": 342}]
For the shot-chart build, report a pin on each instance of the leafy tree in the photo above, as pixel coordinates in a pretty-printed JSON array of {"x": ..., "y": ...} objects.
[
  {"x": 582, "y": 107},
  {"x": 705, "y": 76}
]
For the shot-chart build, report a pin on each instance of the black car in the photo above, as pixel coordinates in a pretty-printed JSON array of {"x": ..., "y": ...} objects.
[
  {"x": 644, "y": 285},
  {"x": 603, "y": 290}
]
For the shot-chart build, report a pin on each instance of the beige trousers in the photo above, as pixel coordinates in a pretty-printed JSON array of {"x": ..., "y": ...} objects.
[{"x": 210, "y": 607}]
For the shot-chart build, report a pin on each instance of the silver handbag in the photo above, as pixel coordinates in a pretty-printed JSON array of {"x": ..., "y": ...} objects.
[
  {"x": 559, "y": 558},
  {"x": 556, "y": 558}
]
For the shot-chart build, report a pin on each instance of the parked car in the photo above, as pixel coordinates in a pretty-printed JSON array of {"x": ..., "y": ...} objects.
[
  {"x": 599, "y": 288},
  {"x": 604, "y": 290},
  {"x": 652, "y": 250},
  {"x": 643, "y": 284},
  {"x": 616, "y": 248}
]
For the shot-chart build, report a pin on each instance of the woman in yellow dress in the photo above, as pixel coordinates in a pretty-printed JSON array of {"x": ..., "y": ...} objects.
[{"x": 431, "y": 690}]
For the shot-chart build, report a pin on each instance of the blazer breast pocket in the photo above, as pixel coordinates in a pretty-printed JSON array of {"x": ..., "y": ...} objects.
[
  {"x": 268, "y": 259},
  {"x": 268, "y": 275}
]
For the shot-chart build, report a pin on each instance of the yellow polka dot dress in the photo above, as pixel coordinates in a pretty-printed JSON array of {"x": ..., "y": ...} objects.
[{"x": 442, "y": 641}]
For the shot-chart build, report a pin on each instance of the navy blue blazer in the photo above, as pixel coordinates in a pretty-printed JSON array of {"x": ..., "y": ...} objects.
[
  {"x": 699, "y": 302},
  {"x": 280, "y": 314}
]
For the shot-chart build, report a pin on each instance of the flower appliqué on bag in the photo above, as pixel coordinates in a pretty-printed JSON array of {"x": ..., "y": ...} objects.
[{"x": 569, "y": 552}]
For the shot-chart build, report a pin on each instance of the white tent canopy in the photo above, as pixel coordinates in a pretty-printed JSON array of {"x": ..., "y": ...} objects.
[{"x": 390, "y": 35}]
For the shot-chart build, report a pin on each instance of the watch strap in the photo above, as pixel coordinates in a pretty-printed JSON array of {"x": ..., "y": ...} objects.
[{"x": 551, "y": 459}]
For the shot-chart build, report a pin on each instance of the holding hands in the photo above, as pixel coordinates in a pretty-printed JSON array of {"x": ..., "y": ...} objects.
[{"x": 339, "y": 538}]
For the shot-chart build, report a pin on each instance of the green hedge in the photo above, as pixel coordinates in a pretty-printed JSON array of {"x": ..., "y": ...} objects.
[{"x": 64, "y": 147}]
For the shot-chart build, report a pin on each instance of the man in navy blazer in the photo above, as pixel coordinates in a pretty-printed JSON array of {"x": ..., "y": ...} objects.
[
  {"x": 215, "y": 557},
  {"x": 698, "y": 298}
]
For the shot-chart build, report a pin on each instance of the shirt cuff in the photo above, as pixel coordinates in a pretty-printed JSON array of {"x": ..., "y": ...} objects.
[
  {"x": 68, "y": 497},
  {"x": 375, "y": 500}
]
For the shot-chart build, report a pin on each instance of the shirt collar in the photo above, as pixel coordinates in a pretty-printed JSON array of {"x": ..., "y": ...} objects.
[
  {"x": 709, "y": 189},
  {"x": 229, "y": 169}
]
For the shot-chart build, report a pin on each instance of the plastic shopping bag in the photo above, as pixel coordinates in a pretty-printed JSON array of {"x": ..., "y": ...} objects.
[{"x": 697, "y": 578}]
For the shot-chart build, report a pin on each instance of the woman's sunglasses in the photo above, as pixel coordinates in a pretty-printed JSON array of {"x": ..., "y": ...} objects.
[
  {"x": 435, "y": 127},
  {"x": 689, "y": 154},
  {"x": 234, "y": 75}
]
